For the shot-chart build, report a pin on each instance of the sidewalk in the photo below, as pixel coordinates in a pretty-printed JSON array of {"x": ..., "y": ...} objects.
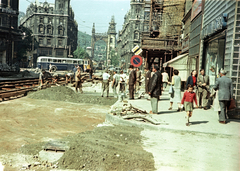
[{"x": 204, "y": 121}]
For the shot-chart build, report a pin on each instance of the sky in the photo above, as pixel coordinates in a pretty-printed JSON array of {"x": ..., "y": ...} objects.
[{"x": 88, "y": 12}]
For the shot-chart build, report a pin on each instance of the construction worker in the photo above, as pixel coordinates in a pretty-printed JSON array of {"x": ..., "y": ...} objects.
[
  {"x": 78, "y": 83},
  {"x": 105, "y": 82}
]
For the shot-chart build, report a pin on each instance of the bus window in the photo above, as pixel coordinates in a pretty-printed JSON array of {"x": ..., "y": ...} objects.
[
  {"x": 44, "y": 60},
  {"x": 49, "y": 60},
  {"x": 64, "y": 61},
  {"x": 69, "y": 61},
  {"x": 75, "y": 62},
  {"x": 54, "y": 60},
  {"x": 86, "y": 62},
  {"x": 59, "y": 60},
  {"x": 79, "y": 62}
]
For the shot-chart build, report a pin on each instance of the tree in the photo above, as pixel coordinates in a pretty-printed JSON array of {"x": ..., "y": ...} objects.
[
  {"x": 25, "y": 45},
  {"x": 80, "y": 53},
  {"x": 114, "y": 58}
]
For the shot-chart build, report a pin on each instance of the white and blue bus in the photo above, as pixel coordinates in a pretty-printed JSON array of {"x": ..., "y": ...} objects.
[{"x": 44, "y": 62}]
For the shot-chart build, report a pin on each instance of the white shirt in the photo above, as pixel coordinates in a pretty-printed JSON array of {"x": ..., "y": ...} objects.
[
  {"x": 106, "y": 76},
  {"x": 165, "y": 77},
  {"x": 123, "y": 77}
]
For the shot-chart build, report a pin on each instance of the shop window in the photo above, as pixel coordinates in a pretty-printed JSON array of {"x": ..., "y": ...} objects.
[
  {"x": 49, "y": 29},
  {"x": 49, "y": 42},
  {"x": 41, "y": 29}
]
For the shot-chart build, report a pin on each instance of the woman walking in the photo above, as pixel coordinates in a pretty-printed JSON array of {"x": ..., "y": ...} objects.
[
  {"x": 187, "y": 100},
  {"x": 175, "y": 96}
]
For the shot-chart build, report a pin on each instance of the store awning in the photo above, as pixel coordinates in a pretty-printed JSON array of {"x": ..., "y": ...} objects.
[{"x": 180, "y": 62}]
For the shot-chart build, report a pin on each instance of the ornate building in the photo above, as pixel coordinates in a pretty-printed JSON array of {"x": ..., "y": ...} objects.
[
  {"x": 53, "y": 26},
  {"x": 9, "y": 33},
  {"x": 130, "y": 35}
]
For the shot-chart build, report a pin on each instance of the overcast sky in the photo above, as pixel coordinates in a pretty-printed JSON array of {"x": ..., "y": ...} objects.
[{"x": 88, "y": 12}]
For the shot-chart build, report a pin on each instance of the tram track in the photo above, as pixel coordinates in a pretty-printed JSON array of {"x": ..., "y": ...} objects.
[{"x": 10, "y": 89}]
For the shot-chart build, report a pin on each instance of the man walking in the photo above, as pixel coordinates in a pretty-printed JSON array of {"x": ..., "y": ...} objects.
[
  {"x": 203, "y": 88},
  {"x": 225, "y": 93},
  {"x": 138, "y": 78},
  {"x": 105, "y": 83},
  {"x": 115, "y": 81},
  {"x": 131, "y": 82},
  {"x": 78, "y": 80},
  {"x": 155, "y": 89}
]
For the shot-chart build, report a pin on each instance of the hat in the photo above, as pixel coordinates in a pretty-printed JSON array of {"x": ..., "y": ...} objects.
[
  {"x": 131, "y": 66},
  {"x": 223, "y": 72}
]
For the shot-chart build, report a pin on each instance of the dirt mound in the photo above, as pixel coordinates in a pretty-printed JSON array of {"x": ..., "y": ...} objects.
[
  {"x": 104, "y": 148},
  {"x": 66, "y": 94}
]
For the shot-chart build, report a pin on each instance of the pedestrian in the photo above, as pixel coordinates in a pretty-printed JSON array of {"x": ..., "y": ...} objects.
[
  {"x": 90, "y": 73},
  {"x": 105, "y": 83},
  {"x": 155, "y": 89},
  {"x": 116, "y": 78},
  {"x": 203, "y": 89},
  {"x": 74, "y": 71},
  {"x": 78, "y": 80},
  {"x": 122, "y": 83},
  {"x": 131, "y": 82},
  {"x": 192, "y": 80},
  {"x": 175, "y": 96},
  {"x": 165, "y": 79},
  {"x": 225, "y": 93},
  {"x": 138, "y": 79},
  {"x": 187, "y": 100},
  {"x": 147, "y": 79}
]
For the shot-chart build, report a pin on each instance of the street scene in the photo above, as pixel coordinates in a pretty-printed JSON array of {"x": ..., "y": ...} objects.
[{"x": 128, "y": 85}]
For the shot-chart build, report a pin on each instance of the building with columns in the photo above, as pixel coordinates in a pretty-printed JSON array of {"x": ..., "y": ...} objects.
[{"x": 53, "y": 26}]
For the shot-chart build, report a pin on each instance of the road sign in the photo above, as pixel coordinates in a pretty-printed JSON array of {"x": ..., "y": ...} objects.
[
  {"x": 137, "y": 50},
  {"x": 136, "y": 61}
]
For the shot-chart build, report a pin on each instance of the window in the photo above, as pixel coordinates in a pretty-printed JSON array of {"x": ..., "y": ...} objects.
[
  {"x": 49, "y": 60},
  {"x": 75, "y": 62},
  {"x": 41, "y": 29},
  {"x": 59, "y": 42},
  {"x": 64, "y": 61},
  {"x": 59, "y": 52},
  {"x": 79, "y": 62},
  {"x": 0, "y": 20},
  {"x": 49, "y": 20},
  {"x": 60, "y": 6},
  {"x": 40, "y": 41},
  {"x": 49, "y": 42},
  {"x": 111, "y": 40},
  {"x": 136, "y": 35},
  {"x": 69, "y": 61},
  {"x": 60, "y": 20},
  {"x": 54, "y": 60},
  {"x": 41, "y": 19},
  {"x": 60, "y": 30},
  {"x": 49, "y": 29},
  {"x": 44, "y": 60},
  {"x": 59, "y": 61}
]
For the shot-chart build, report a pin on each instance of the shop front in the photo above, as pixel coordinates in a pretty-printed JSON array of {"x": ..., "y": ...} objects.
[{"x": 214, "y": 55}]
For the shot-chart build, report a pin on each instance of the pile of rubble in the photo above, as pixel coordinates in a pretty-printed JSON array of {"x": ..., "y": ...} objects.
[{"x": 125, "y": 110}]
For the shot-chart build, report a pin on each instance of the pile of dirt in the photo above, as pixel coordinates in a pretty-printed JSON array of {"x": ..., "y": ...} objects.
[
  {"x": 62, "y": 93},
  {"x": 104, "y": 148}
]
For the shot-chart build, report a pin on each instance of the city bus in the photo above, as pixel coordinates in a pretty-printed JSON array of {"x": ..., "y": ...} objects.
[{"x": 45, "y": 62}]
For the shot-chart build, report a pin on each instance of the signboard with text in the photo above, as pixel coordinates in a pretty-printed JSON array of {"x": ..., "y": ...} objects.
[{"x": 196, "y": 8}]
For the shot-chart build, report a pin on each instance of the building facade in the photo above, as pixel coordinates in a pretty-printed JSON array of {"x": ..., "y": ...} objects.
[
  {"x": 9, "y": 32},
  {"x": 220, "y": 36},
  {"x": 53, "y": 26},
  {"x": 130, "y": 34}
]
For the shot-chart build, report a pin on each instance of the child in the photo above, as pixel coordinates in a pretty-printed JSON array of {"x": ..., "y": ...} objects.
[{"x": 187, "y": 100}]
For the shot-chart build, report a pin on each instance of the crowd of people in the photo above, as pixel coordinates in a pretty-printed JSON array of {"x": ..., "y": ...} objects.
[{"x": 197, "y": 89}]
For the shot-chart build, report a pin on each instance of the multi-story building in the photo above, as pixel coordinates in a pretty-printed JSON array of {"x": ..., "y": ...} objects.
[
  {"x": 9, "y": 33},
  {"x": 130, "y": 35},
  {"x": 53, "y": 26}
]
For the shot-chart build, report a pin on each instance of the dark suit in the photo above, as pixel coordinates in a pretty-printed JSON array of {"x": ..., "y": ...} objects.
[
  {"x": 155, "y": 88},
  {"x": 225, "y": 93},
  {"x": 147, "y": 79},
  {"x": 132, "y": 81},
  {"x": 203, "y": 90}
]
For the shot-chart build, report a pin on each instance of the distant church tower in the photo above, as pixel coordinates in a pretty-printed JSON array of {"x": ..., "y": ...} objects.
[{"x": 111, "y": 37}]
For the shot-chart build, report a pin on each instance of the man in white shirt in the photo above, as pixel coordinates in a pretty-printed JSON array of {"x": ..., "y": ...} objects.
[
  {"x": 122, "y": 81},
  {"x": 165, "y": 79},
  {"x": 105, "y": 83},
  {"x": 116, "y": 78}
]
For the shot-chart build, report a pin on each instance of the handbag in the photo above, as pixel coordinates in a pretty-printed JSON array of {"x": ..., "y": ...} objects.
[
  {"x": 232, "y": 104},
  {"x": 171, "y": 89}
]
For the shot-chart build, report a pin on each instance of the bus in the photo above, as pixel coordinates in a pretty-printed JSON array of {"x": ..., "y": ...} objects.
[{"x": 45, "y": 62}]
